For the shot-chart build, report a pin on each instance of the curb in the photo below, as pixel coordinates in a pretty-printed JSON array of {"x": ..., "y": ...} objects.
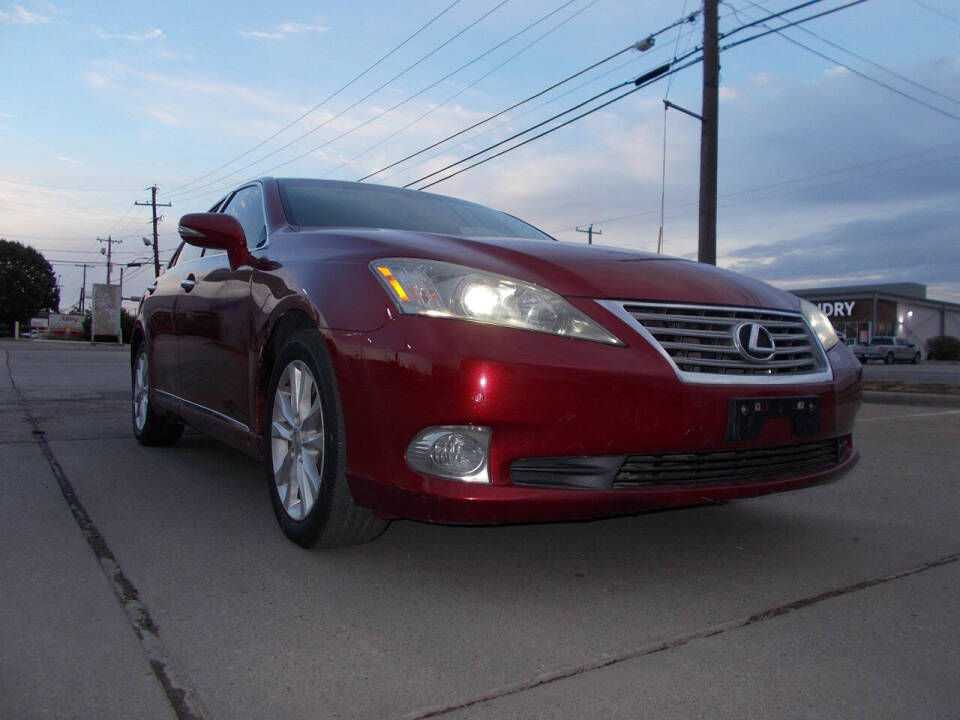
[{"x": 907, "y": 398}]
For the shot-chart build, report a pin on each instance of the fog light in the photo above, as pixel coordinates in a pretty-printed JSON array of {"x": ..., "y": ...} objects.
[{"x": 454, "y": 452}]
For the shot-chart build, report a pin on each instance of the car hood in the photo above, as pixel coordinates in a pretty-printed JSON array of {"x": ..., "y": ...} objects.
[{"x": 568, "y": 269}]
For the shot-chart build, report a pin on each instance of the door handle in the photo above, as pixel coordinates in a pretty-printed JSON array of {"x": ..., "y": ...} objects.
[{"x": 188, "y": 283}]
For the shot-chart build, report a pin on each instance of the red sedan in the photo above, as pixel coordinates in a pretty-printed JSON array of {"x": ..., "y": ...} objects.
[{"x": 392, "y": 353}]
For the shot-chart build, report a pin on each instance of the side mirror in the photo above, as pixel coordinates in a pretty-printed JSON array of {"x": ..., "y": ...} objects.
[{"x": 217, "y": 231}]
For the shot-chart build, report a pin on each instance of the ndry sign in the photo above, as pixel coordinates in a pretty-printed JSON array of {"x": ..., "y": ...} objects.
[{"x": 838, "y": 308}]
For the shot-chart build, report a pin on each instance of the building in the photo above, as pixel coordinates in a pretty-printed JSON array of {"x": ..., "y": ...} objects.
[{"x": 899, "y": 309}]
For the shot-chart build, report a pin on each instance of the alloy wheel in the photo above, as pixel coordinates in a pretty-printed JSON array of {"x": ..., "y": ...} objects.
[
  {"x": 297, "y": 440},
  {"x": 141, "y": 392}
]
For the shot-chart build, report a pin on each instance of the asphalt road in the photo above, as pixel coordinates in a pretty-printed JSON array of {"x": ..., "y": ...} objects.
[
  {"x": 925, "y": 372},
  {"x": 123, "y": 566}
]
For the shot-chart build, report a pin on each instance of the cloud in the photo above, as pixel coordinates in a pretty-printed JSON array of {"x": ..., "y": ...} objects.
[
  {"x": 149, "y": 34},
  {"x": 918, "y": 246},
  {"x": 728, "y": 92},
  {"x": 285, "y": 30},
  {"x": 69, "y": 160},
  {"x": 163, "y": 116},
  {"x": 19, "y": 15}
]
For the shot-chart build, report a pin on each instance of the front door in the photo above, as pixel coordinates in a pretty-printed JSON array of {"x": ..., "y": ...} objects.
[
  {"x": 213, "y": 336},
  {"x": 214, "y": 322}
]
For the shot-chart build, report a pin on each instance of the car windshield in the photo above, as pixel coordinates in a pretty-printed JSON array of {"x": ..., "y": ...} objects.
[{"x": 312, "y": 203}]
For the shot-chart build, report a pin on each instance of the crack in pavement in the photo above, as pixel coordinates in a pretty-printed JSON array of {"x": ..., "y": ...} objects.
[
  {"x": 180, "y": 693},
  {"x": 675, "y": 642},
  {"x": 67, "y": 440}
]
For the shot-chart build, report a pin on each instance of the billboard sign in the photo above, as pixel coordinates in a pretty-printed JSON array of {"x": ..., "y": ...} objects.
[
  {"x": 106, "y": 310},
  {"x": 63, "y": 324}
]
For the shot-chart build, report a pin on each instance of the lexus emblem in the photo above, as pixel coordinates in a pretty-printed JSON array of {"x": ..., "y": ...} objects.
[{"x": 754, "y": 342}]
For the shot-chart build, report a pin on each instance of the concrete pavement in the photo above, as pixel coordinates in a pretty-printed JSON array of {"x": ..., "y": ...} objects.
[
  {"x": 932, "y": 371},
  {"x": 837, "y": 600}
]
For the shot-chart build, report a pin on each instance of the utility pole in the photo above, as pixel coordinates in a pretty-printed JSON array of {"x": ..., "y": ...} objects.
[
  {"x": 109, "y": 252},
  {"x": 707, "y": 251},
  {"x": 156, "y": 249},
  {"x": 590, "y": 233},
  {"x": 83, "y": 288}
]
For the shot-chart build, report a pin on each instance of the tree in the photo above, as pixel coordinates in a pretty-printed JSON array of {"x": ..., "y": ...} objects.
[
  {"x": 27, "y": 283},
  {"x": 943, "y": 347}
]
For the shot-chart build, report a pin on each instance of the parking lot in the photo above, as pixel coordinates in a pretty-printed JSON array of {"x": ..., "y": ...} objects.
[
  {"x": 925, "y": 372},
  {"x": 153, "y": 583}
]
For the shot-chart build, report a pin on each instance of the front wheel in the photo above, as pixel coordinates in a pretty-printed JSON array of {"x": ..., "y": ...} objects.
[
  {"x": 305, "y": 447},
  {"x": 150, "y": 426},
  {"x": 889, "y": 359},
  {"x": 916, "y": 359}
]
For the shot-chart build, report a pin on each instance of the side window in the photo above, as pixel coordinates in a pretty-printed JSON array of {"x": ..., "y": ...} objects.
[
  {"x": 188, "y": 253},
  {"x": 247, "y": 207}
]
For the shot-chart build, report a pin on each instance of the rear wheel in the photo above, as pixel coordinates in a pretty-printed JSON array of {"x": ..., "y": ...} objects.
[
  {"x": 306, "y": 450},
  {"x": 889, "y": 358},
  {"x": 150, "y": 426}
]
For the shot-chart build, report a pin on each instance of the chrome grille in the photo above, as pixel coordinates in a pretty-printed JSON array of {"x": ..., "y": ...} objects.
[{"x": 700, "y": 339}]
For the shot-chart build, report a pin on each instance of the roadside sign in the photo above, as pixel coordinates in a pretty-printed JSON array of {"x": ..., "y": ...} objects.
[
  {"x": 63, "y": 325},
  {"x": 106, "y": 311}
]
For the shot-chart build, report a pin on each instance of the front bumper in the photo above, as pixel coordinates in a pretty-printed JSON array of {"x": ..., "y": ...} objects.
[{"x": 551, "y": 397}]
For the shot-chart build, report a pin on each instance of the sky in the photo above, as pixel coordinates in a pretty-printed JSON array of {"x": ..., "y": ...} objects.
[{"x": 839, "y": 162}]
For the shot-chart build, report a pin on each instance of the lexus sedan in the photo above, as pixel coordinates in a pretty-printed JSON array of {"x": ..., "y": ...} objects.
[{"x": 399, "y": 354}]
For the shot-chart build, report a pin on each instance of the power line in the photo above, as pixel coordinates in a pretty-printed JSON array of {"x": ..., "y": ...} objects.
[
  {"x": 572, "y": 90},
  {"x": 457, "y": 94},
  {"x": 845, "y": 216},
  {"x": 640, "y": 83},
  {"x": 422, "y": 90},
  {"x": 523, "y": 114},
  {"x": 788, "y": 25},
  {"x": 411, "y": 97},
  {"x": 897, "y": 75},
  {"x": 328, "y": 97},
  {"x": 856, "y": 72},
  {"x": 837, "y": 171},
  {"x": 55, "y": 213},
  {"x": 367, "y": 96},
  {"x": 567, "y": 79},
  {"x": 941, "y": 13},
  {"x": 61, "y": 187},
  {"x": 523, "y": 132},
  {"x": 780, "y": 14}
]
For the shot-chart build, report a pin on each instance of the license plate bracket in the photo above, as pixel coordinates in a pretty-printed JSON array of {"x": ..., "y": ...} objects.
[{"x": 746, "y": 416}]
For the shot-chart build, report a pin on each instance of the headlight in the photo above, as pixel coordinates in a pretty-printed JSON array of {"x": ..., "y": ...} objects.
[
  {"x": 439, "y": 289},
  {"x": 819, "y": 323}
]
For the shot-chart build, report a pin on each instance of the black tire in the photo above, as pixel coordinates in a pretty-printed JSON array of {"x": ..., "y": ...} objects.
[
  {"x": 916, "y": 359},
  {"x": 151, "y": 427},
  {"x": 889, "y": 359},
  {"x": 334, "y": 519}
]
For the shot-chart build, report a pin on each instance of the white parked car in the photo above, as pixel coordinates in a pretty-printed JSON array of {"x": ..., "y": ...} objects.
[{"x": 889, "y": 349}]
